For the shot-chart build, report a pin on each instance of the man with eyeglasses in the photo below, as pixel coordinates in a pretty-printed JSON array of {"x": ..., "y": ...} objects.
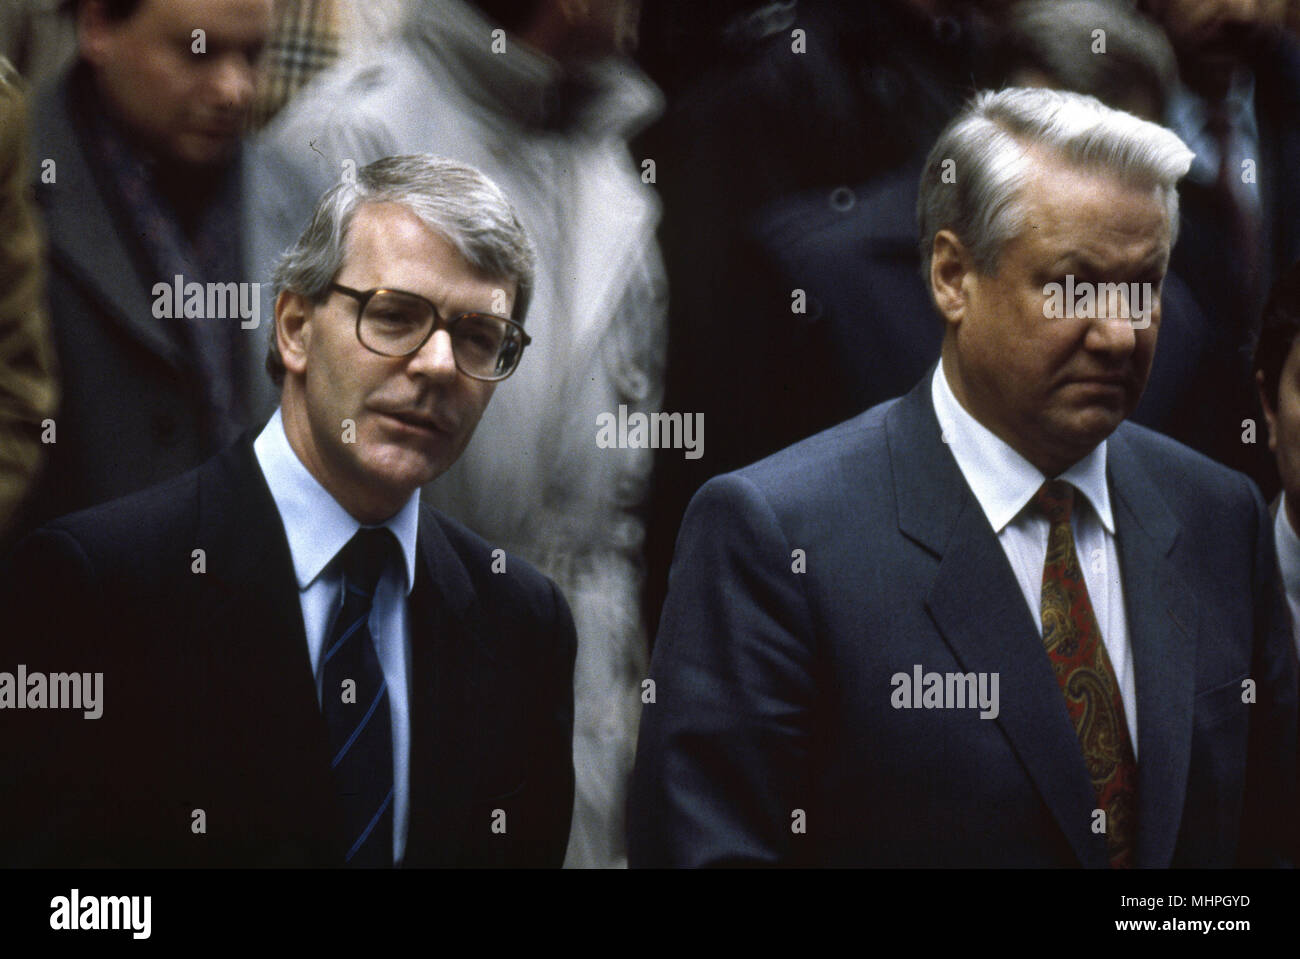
[
  {"x": 542, "y": 96},
  {"x": 301, "y": 664}
]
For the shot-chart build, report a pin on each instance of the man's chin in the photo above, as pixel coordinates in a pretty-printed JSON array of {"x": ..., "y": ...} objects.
[
  {"x": 399, "y": 442},
  {"x": 1086, "y": 431},
  {"x": 203, "y": 152},
  {"x": 405, "y": 478}
]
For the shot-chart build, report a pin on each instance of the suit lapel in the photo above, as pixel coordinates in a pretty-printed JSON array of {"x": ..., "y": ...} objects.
[
  {"x": 1162, "y": 625},
  {"x": 444, "y": 700},
  {"x": 978, "y": 608},
  {"x": 256, "y": 664}
]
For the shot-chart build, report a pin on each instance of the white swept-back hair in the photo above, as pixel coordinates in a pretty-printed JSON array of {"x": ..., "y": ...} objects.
[{"x": 988, "y": 145}]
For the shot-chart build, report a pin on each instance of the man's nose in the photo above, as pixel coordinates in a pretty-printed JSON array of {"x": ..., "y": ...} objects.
[
  {"x": 1113, "y": 333},
  {"x": 435, "y": 359},
  {"x": 233, "y": 81}
]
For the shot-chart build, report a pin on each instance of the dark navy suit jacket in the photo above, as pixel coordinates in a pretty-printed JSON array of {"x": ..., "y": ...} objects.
[
  {"x": 773, "y": 687},
  {"x": 209, "y": 700}
]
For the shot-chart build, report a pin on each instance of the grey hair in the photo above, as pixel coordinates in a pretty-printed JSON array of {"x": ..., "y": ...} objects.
[
  {"x": 988, "y": 144},
  {"x": 454, "y": 200}
]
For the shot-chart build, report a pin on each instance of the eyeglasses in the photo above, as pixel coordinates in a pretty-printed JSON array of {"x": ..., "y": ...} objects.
[{"x": 395, "y": 323}]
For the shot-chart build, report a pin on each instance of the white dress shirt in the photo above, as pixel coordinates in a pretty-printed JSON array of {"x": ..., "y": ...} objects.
[
  {"x": 1288, "y": 561},
  {"x": 318, "y": 528},
  {"x": 1004, "y": 484}
]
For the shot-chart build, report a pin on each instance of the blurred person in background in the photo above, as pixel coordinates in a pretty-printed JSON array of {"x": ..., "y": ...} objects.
[
  {"x": 310, "y": 35},
  {"x": 137, "y": 166},
  {"x": 1238, "y": 107},
  {"x": 28, "y": 385},
  {"x": 1277, "y": 377}
]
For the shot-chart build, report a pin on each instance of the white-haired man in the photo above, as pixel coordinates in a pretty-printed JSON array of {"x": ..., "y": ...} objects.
[
  {"x": 988, "y": 623},
  {"x": 298, "y": 662}
]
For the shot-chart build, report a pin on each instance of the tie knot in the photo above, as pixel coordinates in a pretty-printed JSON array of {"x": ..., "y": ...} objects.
[
  {"x": 1055, "y": 499},
  {"x": 364, "y": 558}
]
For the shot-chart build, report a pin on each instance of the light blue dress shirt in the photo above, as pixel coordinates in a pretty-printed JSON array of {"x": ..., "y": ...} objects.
[
  {"x": 318, "y": 528},
  {"x": 1288, "y": 560},
  {"x": 1004, "y": 483}
]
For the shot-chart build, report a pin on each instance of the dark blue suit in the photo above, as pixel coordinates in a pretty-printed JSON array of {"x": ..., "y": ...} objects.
[
  {"x": 773, "y": 687},
  {"x": 209, "y": 700}
]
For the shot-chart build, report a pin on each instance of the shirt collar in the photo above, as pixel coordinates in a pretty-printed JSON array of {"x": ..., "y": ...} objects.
[
  {"x": 1288, "y": 550},
  {"x": 1002, "y": 480},
  {"x": 316, "y": 525}
]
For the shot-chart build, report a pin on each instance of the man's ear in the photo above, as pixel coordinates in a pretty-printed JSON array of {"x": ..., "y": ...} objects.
[
  {"x": 293, "y": 329},
  {"x": 950, "y": 265},
  {"x": 1270, "y": 414}
]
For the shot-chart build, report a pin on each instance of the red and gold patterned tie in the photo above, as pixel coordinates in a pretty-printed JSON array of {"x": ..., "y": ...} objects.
[{"x": 1087, "y": 679}]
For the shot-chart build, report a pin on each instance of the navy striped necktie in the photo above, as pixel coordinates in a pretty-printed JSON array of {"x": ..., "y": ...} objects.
[{"x": 354, "y": 700}]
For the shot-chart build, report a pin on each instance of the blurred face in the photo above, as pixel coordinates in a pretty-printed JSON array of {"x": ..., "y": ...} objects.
[
  {"x": 1212, "y": 36},
  {"x": 1054, "y": 386},
  {"x": 577, "y": 31},
  {"x": 185, "y": 105},
  {"x": 1284, "y": 429},
  {"x": 411, "y": 416}
]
